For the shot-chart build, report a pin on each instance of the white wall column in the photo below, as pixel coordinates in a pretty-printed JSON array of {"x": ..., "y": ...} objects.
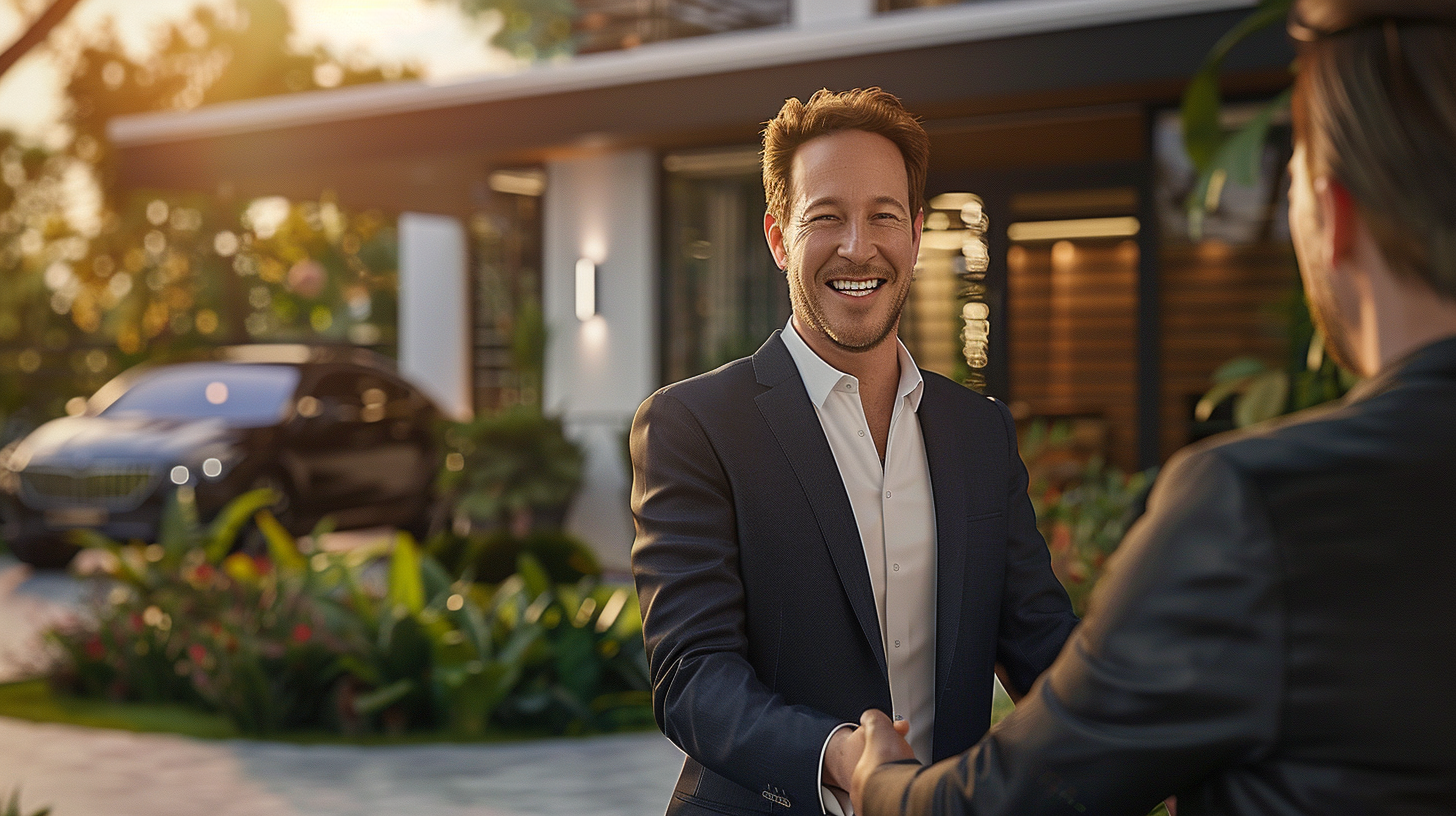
[
  {"x": 434, "y": 310},
  {"x": 604, "y": 209}
]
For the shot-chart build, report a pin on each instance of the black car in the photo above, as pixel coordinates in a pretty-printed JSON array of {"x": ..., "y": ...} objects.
[{"x": 332, "y": 430}]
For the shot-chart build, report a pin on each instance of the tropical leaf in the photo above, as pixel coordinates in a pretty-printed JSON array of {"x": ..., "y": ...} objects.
[
  {"x": 1239, "y": 368},
  {"x": 281, "y": 546},
  {"x": 222, "y": 533},
  {"x": 1264, "y": 398},
  {"x": 1219, "y": 157},
  {"x": 382, "y": 698},
  {"x": 1216, "y": 395},
  {"x": 179, "y": 530},
  {"x": 406, "y": 585},
  {"x": 537, "y": 582},
  {"x": 1202, "y": 133}
]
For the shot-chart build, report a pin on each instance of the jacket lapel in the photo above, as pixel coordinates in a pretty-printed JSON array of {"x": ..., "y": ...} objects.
[
  {"x": 946, "y": 454},
  {"x": 795, "y": 425}
]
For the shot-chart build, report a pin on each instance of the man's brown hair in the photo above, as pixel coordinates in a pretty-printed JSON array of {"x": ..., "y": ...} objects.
[
  {"x": 1375, "y": 108},
  {"x": 869, "y": 109}
]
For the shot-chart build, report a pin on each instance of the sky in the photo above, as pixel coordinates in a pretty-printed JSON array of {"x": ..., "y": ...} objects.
[{"x": 432, "y": 35}]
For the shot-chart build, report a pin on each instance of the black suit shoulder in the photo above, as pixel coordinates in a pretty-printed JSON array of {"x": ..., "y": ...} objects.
[{"x": 1405, "y": 425}]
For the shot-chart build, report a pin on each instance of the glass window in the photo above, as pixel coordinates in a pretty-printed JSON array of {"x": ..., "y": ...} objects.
[
  {"x": 241, "y": 394},
  {"x": 609, "y": 25},
  {"x": 722, "y": 294},
  {"x": 509, "y": 333}
]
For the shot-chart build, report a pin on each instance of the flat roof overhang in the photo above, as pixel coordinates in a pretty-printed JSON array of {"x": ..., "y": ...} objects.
[{"x": 414, "y": 146}]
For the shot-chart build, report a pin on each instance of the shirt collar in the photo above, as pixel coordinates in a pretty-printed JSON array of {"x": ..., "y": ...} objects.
[{"x": 821, "y": 378}]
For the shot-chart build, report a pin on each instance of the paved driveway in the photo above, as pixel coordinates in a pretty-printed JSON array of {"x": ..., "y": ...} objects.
[{"x": 97, "y": 772}]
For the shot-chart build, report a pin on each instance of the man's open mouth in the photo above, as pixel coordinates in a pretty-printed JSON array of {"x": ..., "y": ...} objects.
[{"x": 856, "y": 288}]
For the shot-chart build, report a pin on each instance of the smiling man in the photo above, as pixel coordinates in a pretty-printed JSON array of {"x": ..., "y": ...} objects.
[{"x": 823, "y": 527}]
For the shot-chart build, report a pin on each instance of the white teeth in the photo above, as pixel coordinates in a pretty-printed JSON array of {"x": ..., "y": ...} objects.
[{"x": 855, "y": 288}]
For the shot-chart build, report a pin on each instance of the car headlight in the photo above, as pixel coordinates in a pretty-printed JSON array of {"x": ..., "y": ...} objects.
[{"x": 214, "y": 462}]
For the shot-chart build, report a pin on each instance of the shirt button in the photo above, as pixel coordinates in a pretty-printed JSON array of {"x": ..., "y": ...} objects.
[
  {"x": 887, "y": 494},
  {"x": 861, "y": 433},
  {"x": 897, "y": 568},
  {"x": 897, "y": 644}
]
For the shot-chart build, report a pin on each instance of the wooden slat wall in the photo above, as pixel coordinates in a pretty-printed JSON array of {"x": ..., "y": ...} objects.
[
  {"x": 1218, "y": 302},
  {"x": 1072, "y": 329}
]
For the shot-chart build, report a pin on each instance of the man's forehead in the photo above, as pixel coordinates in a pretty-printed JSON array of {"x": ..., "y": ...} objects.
[{"x": 847, "y": 158}]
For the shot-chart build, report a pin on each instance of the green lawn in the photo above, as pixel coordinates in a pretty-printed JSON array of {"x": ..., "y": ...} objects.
[{"x": 33, "y": 700}]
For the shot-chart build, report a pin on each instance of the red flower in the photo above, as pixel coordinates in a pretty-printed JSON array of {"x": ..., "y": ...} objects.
[
  {"x": 204, "y": 573},
  {"x": 302, "y": 633},
  {"x": 95, "y": 649},
  {"x": 197, "y": 652},
  {"x": 137, "y": 624}
]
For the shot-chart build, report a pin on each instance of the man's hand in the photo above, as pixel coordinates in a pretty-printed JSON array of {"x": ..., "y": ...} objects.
[{"x": 884, "y": 741}]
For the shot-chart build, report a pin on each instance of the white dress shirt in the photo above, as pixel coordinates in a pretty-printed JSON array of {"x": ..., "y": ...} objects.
[{"x": 895, "y": 512}]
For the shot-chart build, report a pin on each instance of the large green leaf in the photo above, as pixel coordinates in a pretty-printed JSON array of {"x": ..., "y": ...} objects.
[
  {"x": 383, "y": 698},
  {"x": 222, "y": 533},
  {"x": 1240, "y": 368},
  {"x": 1202, "y": 134},
  {"x": 179, "y": 530},
  {"x": 1264, "y": 399},
  {"x": 406, "y": 584},
  {"x": 281, "y": 546}
]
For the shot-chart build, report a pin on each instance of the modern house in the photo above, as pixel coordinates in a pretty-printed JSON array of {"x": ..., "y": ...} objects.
[{"x": 622, "y": 189}]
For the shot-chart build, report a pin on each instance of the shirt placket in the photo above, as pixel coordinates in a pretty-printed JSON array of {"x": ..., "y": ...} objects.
[{"x": 897, "y": 631}]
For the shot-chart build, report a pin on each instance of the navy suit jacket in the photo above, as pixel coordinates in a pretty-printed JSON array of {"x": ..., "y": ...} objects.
[{"x": 759, "y": 618}]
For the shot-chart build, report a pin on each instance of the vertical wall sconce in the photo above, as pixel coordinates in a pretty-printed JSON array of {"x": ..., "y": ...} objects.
[
  {"x": 975, "y": 314},
  {"x": 586, "y": 289}
]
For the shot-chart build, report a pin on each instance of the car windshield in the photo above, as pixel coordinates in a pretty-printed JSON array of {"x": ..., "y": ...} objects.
[{"x": 240, "y": 394}]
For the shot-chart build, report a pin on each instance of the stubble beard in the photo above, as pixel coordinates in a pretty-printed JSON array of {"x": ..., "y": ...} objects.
[{"x": 856, "y": 336}]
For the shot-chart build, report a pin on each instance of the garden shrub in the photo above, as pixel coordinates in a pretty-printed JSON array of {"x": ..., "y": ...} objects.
[{"x": 377, "y": 639}]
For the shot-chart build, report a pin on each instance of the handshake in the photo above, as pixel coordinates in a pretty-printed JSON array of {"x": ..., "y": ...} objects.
[{"x": 853, "y": 754}]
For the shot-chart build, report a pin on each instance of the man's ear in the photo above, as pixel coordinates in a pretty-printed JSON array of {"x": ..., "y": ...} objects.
[
  {"x": 919, "y": 228},
  {"x": 774, "y": 234},
  {"x": 1340, "y": 216}
]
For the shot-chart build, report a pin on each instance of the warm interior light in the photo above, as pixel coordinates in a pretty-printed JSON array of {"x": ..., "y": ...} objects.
[
  {"x": 1076, "y": 228},
  {"x": 518, "y": 182},
  {"x": 586, "y": 289}
]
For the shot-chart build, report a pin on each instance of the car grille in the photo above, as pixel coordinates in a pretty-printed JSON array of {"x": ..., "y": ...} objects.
[{"x": 114, "y": 487}]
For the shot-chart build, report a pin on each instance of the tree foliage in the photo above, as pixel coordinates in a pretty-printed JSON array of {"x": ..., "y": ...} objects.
[
  {"x": 528, "y": 29},
  {"x": 94, "y": 278}
]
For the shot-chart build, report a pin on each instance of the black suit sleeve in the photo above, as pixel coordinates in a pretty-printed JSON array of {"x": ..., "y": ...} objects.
[
  {"x": 1176, "y": 672},
  {"x": 1036, "y": 615},
  {"x": 706, "y": 696}
]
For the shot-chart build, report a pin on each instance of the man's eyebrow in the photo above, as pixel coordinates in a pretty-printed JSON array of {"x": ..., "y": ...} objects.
[{"x": 832, "y": 201}]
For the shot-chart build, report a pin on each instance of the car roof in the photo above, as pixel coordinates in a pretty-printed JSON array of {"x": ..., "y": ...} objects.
[{"x": 294, "y": 354}]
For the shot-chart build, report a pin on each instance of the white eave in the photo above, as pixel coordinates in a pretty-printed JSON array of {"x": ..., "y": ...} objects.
[{"x": 712, "y": 54}]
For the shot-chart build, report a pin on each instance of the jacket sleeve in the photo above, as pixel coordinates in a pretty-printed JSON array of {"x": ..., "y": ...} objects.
[
  {"x": 706, "y": 696},
  {"x": 1176, "y": 672},
  {"x": 1035, "y": 616}
]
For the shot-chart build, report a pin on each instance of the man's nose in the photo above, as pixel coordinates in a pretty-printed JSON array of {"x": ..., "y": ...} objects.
[{"x": 856, "y": 247}]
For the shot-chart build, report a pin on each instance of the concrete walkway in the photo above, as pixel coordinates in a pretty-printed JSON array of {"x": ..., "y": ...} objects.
[{"x": 97, "y": 772}]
